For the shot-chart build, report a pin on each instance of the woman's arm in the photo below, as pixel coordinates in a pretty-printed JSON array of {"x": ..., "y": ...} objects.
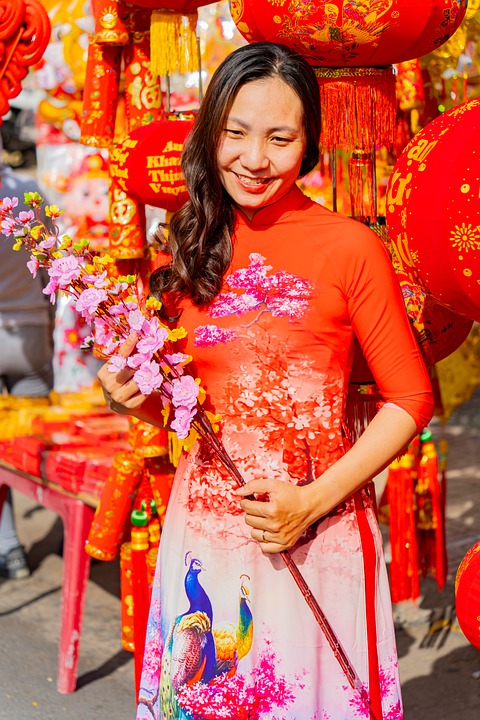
[{"x": 290, "y": 509}]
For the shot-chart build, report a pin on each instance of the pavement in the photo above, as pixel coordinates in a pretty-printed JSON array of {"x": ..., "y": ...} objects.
[{"x": 439, "y": 669}]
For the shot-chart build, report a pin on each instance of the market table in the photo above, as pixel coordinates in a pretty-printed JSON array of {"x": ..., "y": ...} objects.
[{"x": 76, "y": 512}]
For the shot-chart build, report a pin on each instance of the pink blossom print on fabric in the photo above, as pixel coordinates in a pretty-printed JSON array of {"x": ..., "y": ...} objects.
[{"x": 254, "y": 289}]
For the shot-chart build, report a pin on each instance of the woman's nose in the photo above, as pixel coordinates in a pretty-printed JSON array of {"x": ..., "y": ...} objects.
[{"x": 254, "y": 157}]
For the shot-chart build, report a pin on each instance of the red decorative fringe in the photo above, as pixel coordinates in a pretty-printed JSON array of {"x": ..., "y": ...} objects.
[
  {"x": 361, "y": 407},
  {"x": 415, "y": 498},
  {"x": 404, "y": 571},
  {"x": 358, "y": 107}
]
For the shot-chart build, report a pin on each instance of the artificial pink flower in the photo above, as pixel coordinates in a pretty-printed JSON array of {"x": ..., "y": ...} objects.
[
  {"x": 106, "y": 338},
  {"x": 99, "y": 281},
  {"x": 182, "y": 421},
  {"x": 65, "y": 269},
  {"x": 26, "y": 216},
  {"x": 33, "y": 265},
  {"x": 51, "y": 289},
  {"x": 185, "y": 391},
  {"x": 137, "y": 320},
  {"x": 88, "y": 302},
  {"x": 8, "y": 226},
  {"x": 135, "y": 361},
  {"x": 118, "y": 288},
  {"x": 7, "y": 204},
  {"x": 154, "y": 338},
  {"x": 176, "y": 358},
  {"x": 48, "y": 243},
  {"x": 116, "y": 363},
  {"x": 148, "y": 377}
]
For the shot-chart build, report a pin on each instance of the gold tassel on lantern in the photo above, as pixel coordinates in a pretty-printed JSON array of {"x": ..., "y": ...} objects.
[{"x": 173, "y": 43}]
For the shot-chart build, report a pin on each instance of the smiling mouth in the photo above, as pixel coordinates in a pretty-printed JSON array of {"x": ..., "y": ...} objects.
[{"x": 252, "y": 182}]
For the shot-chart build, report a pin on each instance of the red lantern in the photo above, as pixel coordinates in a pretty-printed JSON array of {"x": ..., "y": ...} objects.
[
  {"x": 433, "y": 209},
  {"x": 146, "y": 165},
  {"x": 341, "y": 33},
  {"x": 467, "y": 591}
]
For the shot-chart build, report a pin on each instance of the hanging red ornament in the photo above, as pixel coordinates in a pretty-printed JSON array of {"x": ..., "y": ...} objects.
[
  {"x": 467, "y": 591},
  {"x": 24, "y": 35},
  {"x": 146, "y": 165},
  {"x": 433, "y": 209}
]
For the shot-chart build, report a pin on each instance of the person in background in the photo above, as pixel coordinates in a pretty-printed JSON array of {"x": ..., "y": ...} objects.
[
  {"x": 272, "y": 288},
  {"x": 26, "y": 355}
]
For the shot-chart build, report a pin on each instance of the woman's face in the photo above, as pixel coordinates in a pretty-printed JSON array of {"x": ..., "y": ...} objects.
[{"x": 262, "y": 144}]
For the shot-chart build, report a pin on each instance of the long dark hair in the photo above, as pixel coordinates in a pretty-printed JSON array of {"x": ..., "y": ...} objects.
[{"x": 199, "y": 234}]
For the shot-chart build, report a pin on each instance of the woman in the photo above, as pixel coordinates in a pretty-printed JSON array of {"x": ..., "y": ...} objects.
[{"x": 271, "y": 288}]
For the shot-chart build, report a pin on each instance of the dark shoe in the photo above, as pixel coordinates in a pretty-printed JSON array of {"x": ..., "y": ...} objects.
[{"x": 14, "y": 564}]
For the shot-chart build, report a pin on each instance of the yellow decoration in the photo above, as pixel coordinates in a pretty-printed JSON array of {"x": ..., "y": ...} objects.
[
  {"x": 173, "y": 44},
  {"x": 459, "y": 373}
]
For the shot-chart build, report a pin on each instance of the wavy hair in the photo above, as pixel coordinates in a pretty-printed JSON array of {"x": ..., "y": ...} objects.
[{"x": 200, "y": 233}]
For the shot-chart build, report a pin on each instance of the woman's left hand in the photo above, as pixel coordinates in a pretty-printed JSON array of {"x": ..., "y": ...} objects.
[{"x": 278, "y": 521}]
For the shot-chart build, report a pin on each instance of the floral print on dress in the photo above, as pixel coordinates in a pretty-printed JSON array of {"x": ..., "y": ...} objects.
[{"x": 281, "y": 294}]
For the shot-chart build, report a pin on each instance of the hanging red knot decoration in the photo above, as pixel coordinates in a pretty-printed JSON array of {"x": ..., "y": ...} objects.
[{"x": 24, "y": 35}]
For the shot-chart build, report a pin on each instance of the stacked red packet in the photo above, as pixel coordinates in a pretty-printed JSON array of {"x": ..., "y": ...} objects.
[
  {"x": 107, "y": 426},
  {"x": 67, "y": 467},
  {"x": 27, "y": 451}
]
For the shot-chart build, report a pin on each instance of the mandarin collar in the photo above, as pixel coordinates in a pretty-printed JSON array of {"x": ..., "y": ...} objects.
[{"x": 271, "y": 214}]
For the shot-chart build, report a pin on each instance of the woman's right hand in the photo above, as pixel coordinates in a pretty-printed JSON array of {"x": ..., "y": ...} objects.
[{"x": 121, "y": 391}]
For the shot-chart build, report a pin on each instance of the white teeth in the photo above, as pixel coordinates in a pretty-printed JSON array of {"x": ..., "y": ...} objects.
[{"x": 251, "y": 181}]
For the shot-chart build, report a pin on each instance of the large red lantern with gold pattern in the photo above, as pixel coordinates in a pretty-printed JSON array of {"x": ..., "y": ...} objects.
[
  {"x": 146, "y": 165},
  {"x": 353, "y": 33},
  {"x": 433, "y": 209},
  {"x": 467, "y": 591}
]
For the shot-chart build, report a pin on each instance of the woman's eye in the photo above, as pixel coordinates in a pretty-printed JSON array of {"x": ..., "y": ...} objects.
[
  {"x": 233, "y": 133},
  {"x": 281, "y": 140}
]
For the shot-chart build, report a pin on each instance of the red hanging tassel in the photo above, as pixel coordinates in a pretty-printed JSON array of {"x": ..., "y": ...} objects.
[
  {"x": 358, "y": 106},
  {"x": 404, "y": 574},
  {"x": 430, "y": 514}
]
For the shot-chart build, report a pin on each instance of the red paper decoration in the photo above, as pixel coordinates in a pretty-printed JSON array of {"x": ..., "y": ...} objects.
[
  {"x": 433, "y": 209},
  {"x": 467, "y": 591},
  {"x": 146, "y": 165},
  {"x": 24, "y": 35}
]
